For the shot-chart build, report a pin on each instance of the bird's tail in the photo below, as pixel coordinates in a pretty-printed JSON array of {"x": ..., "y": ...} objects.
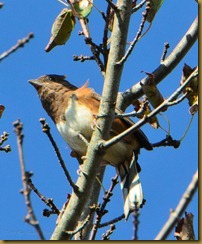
[{"x": 130, "y": 186}]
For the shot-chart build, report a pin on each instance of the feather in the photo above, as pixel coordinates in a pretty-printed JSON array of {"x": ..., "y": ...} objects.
[{"x": 131, "y": 187}]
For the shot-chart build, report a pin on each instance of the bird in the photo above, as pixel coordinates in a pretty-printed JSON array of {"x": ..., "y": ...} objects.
[{"x": 74, "y": 111}]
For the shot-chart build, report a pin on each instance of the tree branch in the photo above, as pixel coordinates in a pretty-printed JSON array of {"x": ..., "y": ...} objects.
[
  {"x": 182, "y": 205},
  {"x": 30, "y": 218},
  {"x": 46, "y": 130},
  {"x": 145, "y": 119},
  {"x": 17, "y": 46},
  {"x": 94, "y": 154},
  {"x": 129, "y": 96}
]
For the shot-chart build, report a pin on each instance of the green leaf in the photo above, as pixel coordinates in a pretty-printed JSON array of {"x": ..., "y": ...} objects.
[
  {"x": 61, "y": 29},
  {"x": 81, "y": 8},
  {"x": 154, "y": 7}
]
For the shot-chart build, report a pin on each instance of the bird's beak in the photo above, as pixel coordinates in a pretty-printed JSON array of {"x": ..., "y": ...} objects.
[{"x": 36, "y": 83}]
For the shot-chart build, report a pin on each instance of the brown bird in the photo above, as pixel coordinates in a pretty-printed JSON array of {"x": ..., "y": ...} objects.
[{"x": 74, "y": 111}]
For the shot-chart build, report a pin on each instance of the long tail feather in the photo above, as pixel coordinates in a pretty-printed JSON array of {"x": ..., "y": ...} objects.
[{"x": 130, "y": 186}]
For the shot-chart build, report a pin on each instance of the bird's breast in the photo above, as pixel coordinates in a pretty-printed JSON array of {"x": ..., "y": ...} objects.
[{"x": 78, "y": 120}]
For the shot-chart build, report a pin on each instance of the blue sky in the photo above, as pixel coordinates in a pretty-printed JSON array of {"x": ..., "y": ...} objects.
[{"x": 166, "y": 172}]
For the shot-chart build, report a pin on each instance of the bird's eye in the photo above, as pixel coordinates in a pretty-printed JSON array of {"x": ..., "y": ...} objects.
[{"x": 50, "y": 78}]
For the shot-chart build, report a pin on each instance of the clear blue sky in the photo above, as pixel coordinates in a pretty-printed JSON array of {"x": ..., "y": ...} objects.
[{"x": 166, "y": 172}]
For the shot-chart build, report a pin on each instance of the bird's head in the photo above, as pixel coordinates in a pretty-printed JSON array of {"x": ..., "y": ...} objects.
[
  {"x": 52, "y": 91},
  {"x": 52, "y": 82}
]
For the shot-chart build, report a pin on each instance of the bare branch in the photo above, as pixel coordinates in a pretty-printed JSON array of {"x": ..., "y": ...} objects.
[
  {"x": 117, "y": 219},
  {"x": 46, "y": 130},
  {"x": 94, "y": 154},
  {"x": 102, "y": 210},
  {"x": 20, "y": 43},
  {"x": 30, "y": 218},
  {"x": 168, "y": 141},
  {"x": 136, "y": 222},
  {"x": 137, "y": 37},
  {"x": 137, "y": 7},
  {"x": 83, "y": 58},
  {"x": 182, "y": 205},
  {"x": 129, "y": 96},
  {"x": 47, "y": 201},
  {"x": 145, "y": 119},
  {"x": 112, "y": 5},
  {"x": 108, "y": 232},
  {"x": 3, "y": 138},
  {"x": 85, "y": 222}
]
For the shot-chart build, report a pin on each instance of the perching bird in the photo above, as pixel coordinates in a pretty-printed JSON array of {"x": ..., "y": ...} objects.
[{"x": 74, "y": 111}]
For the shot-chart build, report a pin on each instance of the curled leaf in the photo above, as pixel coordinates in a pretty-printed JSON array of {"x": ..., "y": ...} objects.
[
  {"x": 1, "y": 109},
  {"x": 61, "y": 29},
  {"x": 154, "y": 7},
  {"x": 191, "y": 89},
  {"x": 184, "y": 229},
  {"x": 147, "y": 109},
  {"x": 152, "y": 92},
  {"x": 81, "y": 8}
]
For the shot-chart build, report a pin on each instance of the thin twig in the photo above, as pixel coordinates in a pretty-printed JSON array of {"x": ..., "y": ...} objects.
[
  {"x": 112, "y": 5},
  {"x": 181, "y": 207},
  {"x": 46, "y": 130},
  {"x": 102, "y": 211},
  {"x": 137, "y": 37},
  {"x": 165, "y": 50},
  {"x": 85, "y": 222},
  {"x": 108, "y": 232},
  {"x": 140, "y": 5},
  {"x": 145, "y": 119},
  {"x": 94, "y": 48},
  {"x": 135, "y": 222},
  {"x": 134, "y": 113},
  {"x": 47, "y": 201},
  {"x": 3, "y": 138},
  {"x": 17, "y": 46},
  {"x": 105, "y": 34},
  {"x": 83, "y": 58},
  {"x": 115, "y": 220},
  {"x": 30, "y": 218},
  {"x": 168, "y": 141}
]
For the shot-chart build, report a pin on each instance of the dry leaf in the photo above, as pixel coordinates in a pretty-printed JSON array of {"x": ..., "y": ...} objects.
[
  {"x": 154, "y": 7},
  {"x": 147, "y": 109},
  {"x": 61, "y": 29},
  {"x": 152, "y": 92},
  {"x": 191, "y": 89},
  {"x": 184, "y": 229},
  {"x": 1, "y": 109}
]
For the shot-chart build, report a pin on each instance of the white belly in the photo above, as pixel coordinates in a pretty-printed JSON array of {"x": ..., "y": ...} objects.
[
  {"x": 77, "y": 121},
  {"x": 80, "y": 121}
]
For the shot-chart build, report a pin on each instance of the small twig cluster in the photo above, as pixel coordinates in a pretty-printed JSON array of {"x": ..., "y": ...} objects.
[
  {"x": 102, "y": 210},
  {"x": 102, "y": 48},
  {"x": 3, "y": 138},
  {"x": 48, "y": 201}
]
